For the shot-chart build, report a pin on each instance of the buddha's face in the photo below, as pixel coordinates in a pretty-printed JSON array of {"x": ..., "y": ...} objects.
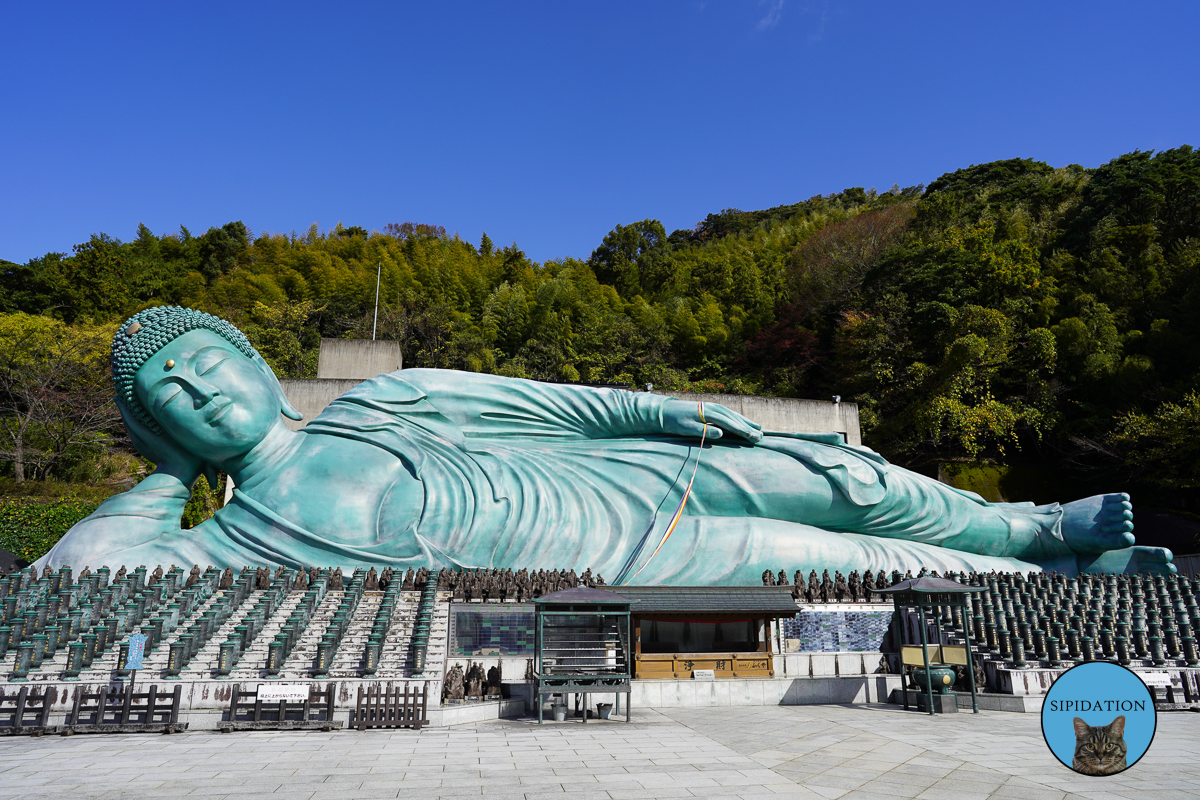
[{"x": 207, "y": 396}]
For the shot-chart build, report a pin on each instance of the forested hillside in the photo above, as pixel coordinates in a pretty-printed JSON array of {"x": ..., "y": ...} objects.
[{"x": 1008, "y": 313}]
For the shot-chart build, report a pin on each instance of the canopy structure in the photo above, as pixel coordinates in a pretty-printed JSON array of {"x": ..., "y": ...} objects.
[
  {"x": 929, "y": 593},
  {"x": 583, "y": 645}
]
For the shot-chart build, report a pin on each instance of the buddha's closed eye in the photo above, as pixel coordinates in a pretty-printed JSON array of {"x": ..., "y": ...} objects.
[
  {"x": 167, "y": 394},
  {"x": 208, "y": 364}
]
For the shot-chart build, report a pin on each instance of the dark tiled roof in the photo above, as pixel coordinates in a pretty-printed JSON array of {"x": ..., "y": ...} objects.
[
  {"x": 710, "y": 599},
  {"x": 583, "y": 595},
  {"x": 928, "y": 585}
]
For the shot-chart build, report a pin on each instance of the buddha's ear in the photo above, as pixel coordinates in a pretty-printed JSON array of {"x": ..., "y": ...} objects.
[{"x": 285, "y": 407}]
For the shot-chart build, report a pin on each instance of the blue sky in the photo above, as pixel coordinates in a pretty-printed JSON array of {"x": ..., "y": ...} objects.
[{"x": 549, "y": 123}]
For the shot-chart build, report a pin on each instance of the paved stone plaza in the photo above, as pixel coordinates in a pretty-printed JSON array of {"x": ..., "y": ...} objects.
[{"x": 848, "y": 752}]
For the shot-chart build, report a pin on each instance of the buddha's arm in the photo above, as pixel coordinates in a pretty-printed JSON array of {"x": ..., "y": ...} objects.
[
  {"x": 492, "y": 406},
  {"x": 125, "y": 520}
]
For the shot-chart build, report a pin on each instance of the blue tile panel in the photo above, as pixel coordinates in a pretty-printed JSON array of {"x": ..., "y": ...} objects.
[
  {"x": 838, "y": 631},
  {"x": 485, "y": 630}
]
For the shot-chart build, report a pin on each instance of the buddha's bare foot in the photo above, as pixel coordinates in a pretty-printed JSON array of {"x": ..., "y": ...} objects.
[
  {"x": 1098, "y": 524},
  {"x": 1130, "y": 559}
]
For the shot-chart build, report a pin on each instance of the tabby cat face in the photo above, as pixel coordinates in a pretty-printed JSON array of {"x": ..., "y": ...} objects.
[{"x": 1099, "y": 749}]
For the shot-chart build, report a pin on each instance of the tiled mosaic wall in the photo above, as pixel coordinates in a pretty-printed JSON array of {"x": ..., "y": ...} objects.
[
  {"x": 836, "y": 631},
  {"x": 486, "y": 630}
]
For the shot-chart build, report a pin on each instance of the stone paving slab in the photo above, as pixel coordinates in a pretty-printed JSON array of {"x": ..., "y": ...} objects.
[{"x": 813, "y": 752}]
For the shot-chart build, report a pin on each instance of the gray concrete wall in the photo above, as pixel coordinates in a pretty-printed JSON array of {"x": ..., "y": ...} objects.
[
  {"x": 360, "y": 359},
  {"x": 310, "y": 397},
  {"x": 786, "y": 414}
]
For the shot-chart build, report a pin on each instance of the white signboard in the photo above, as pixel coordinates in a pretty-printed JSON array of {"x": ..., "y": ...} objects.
[
  {"x": 292, "y": 692},
  {"x": 1155, "y": 679},
  {"x": 704, "y": 675}
]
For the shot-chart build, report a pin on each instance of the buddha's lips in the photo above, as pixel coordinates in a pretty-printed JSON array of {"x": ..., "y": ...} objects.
[{"x": 216, "y": 409}]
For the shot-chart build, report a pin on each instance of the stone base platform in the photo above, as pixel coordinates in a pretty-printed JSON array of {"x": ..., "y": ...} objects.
[
  {"x": 204, "y": 704},
  {"x": 763, "y": 691},
  {"x": 988, "y": 701}
]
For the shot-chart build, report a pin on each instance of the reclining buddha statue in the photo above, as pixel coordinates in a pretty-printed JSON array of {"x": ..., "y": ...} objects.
[{"x": 441, "y": 468}]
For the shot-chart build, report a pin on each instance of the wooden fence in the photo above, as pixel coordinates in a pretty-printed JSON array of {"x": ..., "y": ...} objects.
[{"x": 394, "y": 707}]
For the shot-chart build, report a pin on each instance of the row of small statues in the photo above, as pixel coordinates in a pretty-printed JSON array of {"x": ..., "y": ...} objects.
[
  {"x": 460, "y": 684},
  {"x": 840, "y": 588},
  {"x": 506, "y": 584}
]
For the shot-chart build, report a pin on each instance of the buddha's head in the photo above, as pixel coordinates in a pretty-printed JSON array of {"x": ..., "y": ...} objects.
[{"x": 196, "y": 380}]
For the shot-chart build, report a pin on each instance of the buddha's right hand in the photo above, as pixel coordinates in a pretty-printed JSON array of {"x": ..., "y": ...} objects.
[{"x": 169, "y": 458}]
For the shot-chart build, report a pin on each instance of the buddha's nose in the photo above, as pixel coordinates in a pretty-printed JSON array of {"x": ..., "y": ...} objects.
[{"x": 205, "y": 393}]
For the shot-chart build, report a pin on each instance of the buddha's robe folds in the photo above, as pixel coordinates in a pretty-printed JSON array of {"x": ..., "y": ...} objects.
[{"x": 525, "y": 474}]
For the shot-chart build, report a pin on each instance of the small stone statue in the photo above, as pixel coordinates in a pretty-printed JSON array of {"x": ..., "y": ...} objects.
[
  {"x": 371, "y": 584},
  {"x": 452, "y": 689},
  {"x": 87, "y": 571},
  {"x": 826, "y": 587},
  {"x": 227, "y": 578},
  {"x": 121, "y": 573},
  {"x": 46, "y": 571},
  {"x": 336, "y": 580},
  {"x": 474, "y": 680},
  {"x": 279, "y": 573},
  {"x": 301, "y": 582},
  {"x": 493, "y": 681},
  {"x": 193, "y": 576}
]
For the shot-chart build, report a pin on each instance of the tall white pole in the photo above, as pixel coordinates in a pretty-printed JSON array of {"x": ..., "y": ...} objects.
[{"x": 375, "y": 324}]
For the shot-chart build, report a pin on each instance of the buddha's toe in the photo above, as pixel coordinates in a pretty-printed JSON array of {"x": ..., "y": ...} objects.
[
  {"x": 1154, "y": 559},
  {"x": 1099, "y": 523},
  {"x": 1116, "y": 514}
]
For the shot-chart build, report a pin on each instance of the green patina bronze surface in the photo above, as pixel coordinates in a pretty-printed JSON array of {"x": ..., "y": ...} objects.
[{"x": 441, "y": 468}]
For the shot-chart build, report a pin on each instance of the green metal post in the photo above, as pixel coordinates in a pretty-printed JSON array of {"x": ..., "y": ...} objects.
[
  {"x": 925, "y": 653},
  {"x": 970, "y": 664}
]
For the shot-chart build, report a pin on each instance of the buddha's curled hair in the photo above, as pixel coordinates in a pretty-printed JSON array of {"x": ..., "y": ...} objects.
[{"x": 147, "y": 332}]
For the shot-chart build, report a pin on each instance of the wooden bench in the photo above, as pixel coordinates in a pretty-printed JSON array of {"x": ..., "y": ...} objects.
[
  {"x": 125, "y": 711},
  {"x": 29, "y": 715},
  {"x": 248, "y": 713}
]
